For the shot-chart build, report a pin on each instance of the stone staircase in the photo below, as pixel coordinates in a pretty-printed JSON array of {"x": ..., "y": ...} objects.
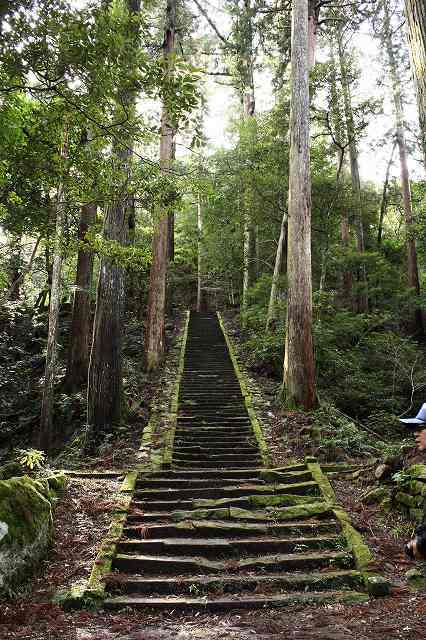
[{"x": 217, "y": 531}]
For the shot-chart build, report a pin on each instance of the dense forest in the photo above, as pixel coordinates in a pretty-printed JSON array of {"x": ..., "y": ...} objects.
[{"x": 263, "y": 158}]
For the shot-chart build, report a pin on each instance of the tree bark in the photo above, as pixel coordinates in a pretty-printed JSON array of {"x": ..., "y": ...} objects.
[
  {"x": 416, "y": 322},
  {"x": 81, "y": 325},
  {"x": 299, "y": 366},
  {"x": 249, "y": 108},
  {"x": 171, "y": 225},
  {"x": 270, "y": 317},
  {"x": 46, "y": 435},
  {"x": 384, "y": 202},
  {"x": 155, "y": 326},
  {"x": 362, "y": 295},
  {"x": 416, "y": 21},
  {"x": 104, "y": 392},
  {"x": 22, "y": 273}
]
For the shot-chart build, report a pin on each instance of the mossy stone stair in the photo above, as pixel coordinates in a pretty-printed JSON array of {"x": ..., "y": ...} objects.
[{"x": 214, "y": 532}]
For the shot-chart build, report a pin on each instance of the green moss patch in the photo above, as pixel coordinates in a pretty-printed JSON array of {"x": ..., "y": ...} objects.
[{"x": 26, "y": 524}]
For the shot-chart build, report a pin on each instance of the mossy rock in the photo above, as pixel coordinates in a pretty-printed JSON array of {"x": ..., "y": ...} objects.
[
  {"x": 26, "y": 525},
  {"x": 11, "y": 470},
  {"x": 416, "y": 578}
]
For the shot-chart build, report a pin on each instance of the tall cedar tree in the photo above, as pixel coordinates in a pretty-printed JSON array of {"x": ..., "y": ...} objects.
[
  {"x": 104, "y": 394},
  {"x": 416, "y": 322},
  {"x": 155, "y": 329},
  {"x": 299, "y": 365},
  {"x": 416, "y": 19}
]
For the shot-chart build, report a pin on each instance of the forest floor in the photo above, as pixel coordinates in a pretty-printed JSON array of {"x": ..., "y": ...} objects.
[{"x": 84, "y": 513}]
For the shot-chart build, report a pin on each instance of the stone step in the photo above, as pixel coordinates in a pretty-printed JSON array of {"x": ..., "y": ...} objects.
[
  {"x": 228, "y": 529},
  {"x": 214, "y": 450},
  {"x": 232, "y": 491},
  {"x": 240, "y": 584},
  {"x": 228, "y": 458},
  {"x": 225, "y": 474},
  {"x": 235, "y": 514},
  {"x": 232, "y": 464},
  {"x": 237, "y": 602},
  {"x": 219, "y": 547},
  {"x": 168, "y": 484},
  {"x": 178, "y": 565}
]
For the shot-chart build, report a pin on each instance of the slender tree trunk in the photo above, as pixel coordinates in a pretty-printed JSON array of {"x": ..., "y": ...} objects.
[
  {"x": 199, "y": 251},
  {"x": 81, "y": 325},
  {"x": 416, "y": 323},
  {"x": 336, "y": 116},
  {"x": 171, "y": 225},
  {"x": 299, "y": 365},
  {"x": 384, "y": 202},
  {"x": 46, "y": 435},
  {"x": 155, "y": 326},
  {"x": 277, "y": 270},
  {"x": 362, "y": 295},
  {"x": 22, "y": 273},
  {"x": 104, "y": 391},
  {"x": 249, "y": 108},
  {"x": 14, "y": 268},
  {"x": 416, "y": 20}
]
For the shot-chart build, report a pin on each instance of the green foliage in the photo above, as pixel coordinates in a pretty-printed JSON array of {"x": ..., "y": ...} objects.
[{"x": 31, "y": 458}]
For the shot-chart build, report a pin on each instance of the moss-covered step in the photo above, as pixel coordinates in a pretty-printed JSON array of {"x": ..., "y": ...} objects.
[
  {"x": 165, "y": 484},
  {"x": 178, "y": 565},
  {"x": 240, "y": 584},
  {"x": 219, "y": 547},
  {"x": 229, "y": 529}
]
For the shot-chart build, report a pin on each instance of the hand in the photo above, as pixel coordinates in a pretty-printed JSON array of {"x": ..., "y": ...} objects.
[{"x": 421, "y": 440}]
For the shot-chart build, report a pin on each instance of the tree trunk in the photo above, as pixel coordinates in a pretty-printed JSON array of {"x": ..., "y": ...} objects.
[
  {"x": 104, "y": 392},
  {"x": 155, "y": 330},
  {"x": 249, "y": 108},
  {"x": 416, "y": 322},
  {"x": 81, "y": 325},
  {"x": 339, "y": 139},
  {"x": 46, "y": 435},
  {"x": 384, "y": 203},
  {"x": 277, "y": 270},
  {"x": 199, "y": 250},
  {"x": 14, "y": 268},
  {"x": 22, "y": 273},
  {"x": 171, "y": 224},
  {"x": 416, "y": 20},
  {"x": 362, "y": 295},
  {"x": 299, "y": 365}
]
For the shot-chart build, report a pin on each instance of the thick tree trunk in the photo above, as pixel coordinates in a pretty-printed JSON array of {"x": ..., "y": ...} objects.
[
  {"x": 416, "y": 20},
  {"x": 104, "y": 392},
  {"x": 46, "y": 435},
  {"x": 104, "y": 399},
  {"x": 155, "y": 326},
  {"x": 277, "y": 270},
  {"x": 81, "y": 325},
  {"x": 362, "y": 295},
  {"x": 299, "y": 365},
  {"x": 416, "y": 323},
  {"x": 199, "y": 252}
]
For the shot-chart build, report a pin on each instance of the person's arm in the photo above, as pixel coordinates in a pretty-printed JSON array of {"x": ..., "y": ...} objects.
[{"x": 421, "y": 440}]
